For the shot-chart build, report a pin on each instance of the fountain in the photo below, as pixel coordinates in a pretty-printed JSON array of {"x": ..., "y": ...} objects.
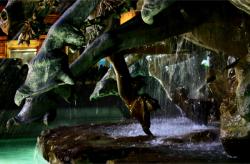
[{"x": 176, "y": 137}]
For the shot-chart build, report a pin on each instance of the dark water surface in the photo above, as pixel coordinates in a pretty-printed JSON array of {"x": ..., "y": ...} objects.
[{"x": 18, "y": 146}]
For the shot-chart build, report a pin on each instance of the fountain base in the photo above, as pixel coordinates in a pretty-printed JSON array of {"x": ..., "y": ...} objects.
[{"x": 98, "y": 144}]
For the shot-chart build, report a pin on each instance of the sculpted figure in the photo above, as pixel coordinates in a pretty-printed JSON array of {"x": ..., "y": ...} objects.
[{"x": 222, "y": 26}]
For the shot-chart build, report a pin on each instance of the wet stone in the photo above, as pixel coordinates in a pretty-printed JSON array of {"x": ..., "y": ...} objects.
[
  {"x": 95, "y": 144},
  {"x": 195, "y": 137}
]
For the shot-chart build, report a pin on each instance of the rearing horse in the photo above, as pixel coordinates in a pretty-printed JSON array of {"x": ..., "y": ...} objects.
[{"x": 215, "y": 24}]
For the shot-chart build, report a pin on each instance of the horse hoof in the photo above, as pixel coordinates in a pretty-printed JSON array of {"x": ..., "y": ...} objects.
[
  {"x": 141, "y": 108},
  {"x": 147, "y": 131}
]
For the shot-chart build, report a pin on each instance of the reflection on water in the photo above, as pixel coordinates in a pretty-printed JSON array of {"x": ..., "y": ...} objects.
[
  {"x": 65, "y": 117},
  {"x": 20, "y": 151}
]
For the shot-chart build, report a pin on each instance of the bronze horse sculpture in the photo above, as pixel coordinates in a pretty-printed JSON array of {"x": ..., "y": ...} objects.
[{"x": 218, "y": 25}]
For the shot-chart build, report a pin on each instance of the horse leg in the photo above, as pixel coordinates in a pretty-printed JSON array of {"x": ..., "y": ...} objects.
[
  {"x": 132, "y": 34},
  {"x": 139, "y": 106}
]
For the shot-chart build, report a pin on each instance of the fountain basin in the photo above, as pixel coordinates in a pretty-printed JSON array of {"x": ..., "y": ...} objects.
[{"x": 113, "y": 143}]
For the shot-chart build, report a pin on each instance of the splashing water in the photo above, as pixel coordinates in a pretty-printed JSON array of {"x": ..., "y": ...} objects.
[
  {"x": 160, "y": 127},
  {"x": 182, "y": 68},
  {"x": 179, "y": 47}
]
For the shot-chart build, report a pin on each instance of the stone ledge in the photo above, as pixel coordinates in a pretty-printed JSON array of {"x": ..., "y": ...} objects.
[{"x": 90, "y": 143}]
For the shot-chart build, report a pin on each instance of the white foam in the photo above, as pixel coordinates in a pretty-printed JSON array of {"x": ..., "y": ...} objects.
[{"x": 167, "y": 127}]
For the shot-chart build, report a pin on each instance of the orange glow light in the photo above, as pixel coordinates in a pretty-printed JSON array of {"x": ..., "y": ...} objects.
[{"x": 127, "y": 16}]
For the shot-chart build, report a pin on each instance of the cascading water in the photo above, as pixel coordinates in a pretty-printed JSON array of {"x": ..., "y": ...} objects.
[
  {"x": 181, "y": 69},
  {"x": 188, "y": 73},
  {"x": 170, "y": 71}
]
